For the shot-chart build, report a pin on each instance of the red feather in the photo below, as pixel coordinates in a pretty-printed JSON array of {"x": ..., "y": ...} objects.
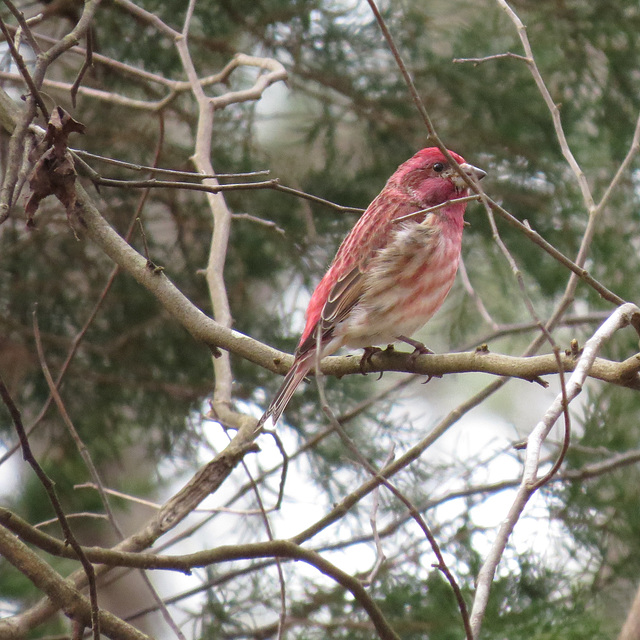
[{"x": 393, "y": 270}]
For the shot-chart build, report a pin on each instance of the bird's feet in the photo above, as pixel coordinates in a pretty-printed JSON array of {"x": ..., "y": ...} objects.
[
  {"x": 369, "y": 352},
  {"x": 418, "y": 348}
]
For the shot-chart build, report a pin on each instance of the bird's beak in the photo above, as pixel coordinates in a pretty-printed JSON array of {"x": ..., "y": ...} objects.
[{"x": 473, "y": 172}]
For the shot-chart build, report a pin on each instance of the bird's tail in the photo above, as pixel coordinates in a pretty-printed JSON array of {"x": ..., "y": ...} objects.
[{"x": 291, "y": 382}]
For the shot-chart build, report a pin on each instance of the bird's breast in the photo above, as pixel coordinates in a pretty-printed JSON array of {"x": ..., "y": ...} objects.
[{"x": 406, "y": 282}]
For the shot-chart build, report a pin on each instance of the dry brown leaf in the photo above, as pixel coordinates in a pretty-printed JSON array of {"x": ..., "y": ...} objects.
[{"x": 53, "y": 172}]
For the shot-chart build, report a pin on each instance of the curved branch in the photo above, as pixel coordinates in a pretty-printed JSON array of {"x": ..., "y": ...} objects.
[
  {"x": 530, "y": 482},
  {"x": 186, "y": 563},
  {"x": 59, "y": 590}
]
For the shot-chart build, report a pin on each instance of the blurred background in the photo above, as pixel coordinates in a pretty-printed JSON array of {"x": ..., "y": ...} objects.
[{"x": 139, "y": 386}]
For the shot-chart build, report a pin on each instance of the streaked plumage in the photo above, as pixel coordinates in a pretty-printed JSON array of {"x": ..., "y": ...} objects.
[{"x": 392, "y": 272}]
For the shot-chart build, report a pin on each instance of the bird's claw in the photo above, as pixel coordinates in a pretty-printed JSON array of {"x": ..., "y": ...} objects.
[
  {"x": 419, "y": 349},
  {"x": 369, "y": 352}
]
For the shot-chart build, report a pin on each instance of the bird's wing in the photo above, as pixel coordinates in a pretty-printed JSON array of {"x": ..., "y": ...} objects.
[
  {"x": 342, "y": 297},
  {"x": 331, "y": 303}
]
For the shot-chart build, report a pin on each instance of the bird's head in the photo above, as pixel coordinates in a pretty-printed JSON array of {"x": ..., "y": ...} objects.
[{"x": 431, "y": 179}]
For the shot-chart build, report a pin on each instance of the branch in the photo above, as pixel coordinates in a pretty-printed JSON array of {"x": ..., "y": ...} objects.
[
  {"x": 525, "y": 368},
  {"x": 441, "y": 565},
  {"x": 26, "y": 76},
  {"x": 48, "y": 485},
  {"x": 622, "y": 317},
  {"x": 631, "y": 628},
  {"x": 275, "y": 73},
  {"x": 551, "y": 105},
  {"x": 206, "y": 330},
  {"x": 59, "y": 590},
  {"x": 270, "y": 549}
]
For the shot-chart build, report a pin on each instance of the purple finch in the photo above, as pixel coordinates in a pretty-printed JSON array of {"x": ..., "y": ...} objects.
[{"x": 392, "y": 272}]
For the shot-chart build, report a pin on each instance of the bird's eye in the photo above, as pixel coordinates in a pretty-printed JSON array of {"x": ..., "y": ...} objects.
[{"x": 438, "y": 167}]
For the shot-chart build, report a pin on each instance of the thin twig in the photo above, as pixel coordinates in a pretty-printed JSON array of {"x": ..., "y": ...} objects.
[
  {"x": 435, "y": 207},
  {"x": 25, "y": 26},
  {"x": 261, "y": 221},
  {"x": 634, "y": 148},
  {"x": 273, "y": 183},
  {"x": 413, "y": 91},
  {"x": 496, "y": 56},
  {"x": 150, "y": 18},
  {"x": 48, "y": 485},
  {"x": 551, "y": 105},
  {"x": 171, "y": 172},
  {"x": 267, "y": 525},
  {"x": 81, "y": 514},
  {"x": 284, "y": 466},
  {"x": 152, "y": 183},
  {"x": 415, "y": 96},
  {"x": 82, "y": 449},
  {"x": 482, "y": 310},
  {"x": 575, "y": 267},
  {"x": 86, "y": 65},
  {"x": 595, "y": 317},
  {"x": 547, "y": 334},
  {"x": 373, "y": 521},
  {"x": 383, "y": 479}
]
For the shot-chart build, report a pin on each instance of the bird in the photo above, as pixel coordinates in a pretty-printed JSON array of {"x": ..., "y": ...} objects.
[{"x": 393, "y": 270}]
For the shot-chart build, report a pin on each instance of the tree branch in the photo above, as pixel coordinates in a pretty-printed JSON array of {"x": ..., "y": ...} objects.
[
  {"x": 622, "y": 317},
  {"x": 60, "y": 592}
]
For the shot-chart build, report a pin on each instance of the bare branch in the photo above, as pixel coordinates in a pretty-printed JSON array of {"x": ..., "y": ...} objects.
[
  {"x": 26, "y": 76},
  {"x": 60, "y": 591},
  {"x": 622, "y": 317},
  {"x": 496, "y": 56},
  {"x": 48, "y": 485},
  {"x": 482, "y": 310},
  {"x": 551, "y": 105},
  {"x": 441, "y": 565}
]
